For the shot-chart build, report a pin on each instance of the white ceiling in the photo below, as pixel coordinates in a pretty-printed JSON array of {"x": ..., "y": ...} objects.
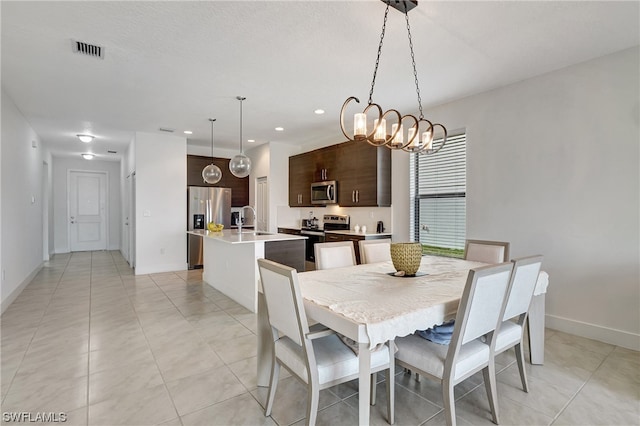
[{"x": 175, "y": 64}]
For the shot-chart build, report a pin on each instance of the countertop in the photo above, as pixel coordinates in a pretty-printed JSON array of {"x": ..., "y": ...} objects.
[
  {"x": 346, "y": 232},
  {"x": 232, "y": 236}
]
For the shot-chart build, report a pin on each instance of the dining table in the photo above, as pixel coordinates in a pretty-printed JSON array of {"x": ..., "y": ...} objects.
[{"x": 372, "y": 306}]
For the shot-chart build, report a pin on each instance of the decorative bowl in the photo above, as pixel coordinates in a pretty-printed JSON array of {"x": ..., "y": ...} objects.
[
  {"x": 406, "y": 257},
  {"x": 215, "y": 227}
]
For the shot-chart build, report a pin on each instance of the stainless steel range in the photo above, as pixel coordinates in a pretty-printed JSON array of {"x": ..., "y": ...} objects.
[{"x": 311, "y": 229}]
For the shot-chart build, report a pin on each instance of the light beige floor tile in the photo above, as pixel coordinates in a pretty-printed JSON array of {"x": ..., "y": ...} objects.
[
  {"x": 212, "y": 320},
  {"x": 178, "y": 361},
  {"x": 106, "y": 359},
  {"x": 192, "y": 393},
  {"x": 108, "y": 384},
  {"x": 237, "y": 349},
  {"x": 151, "y": 407},
  {"x": 240, "y": 410},
  {"x": 246, "y": 371},
  {"x": 290, "y": 403},
  {"x": 431, "y": 390},
  {"x": 172, "y": 422},
  {"x": 622, "y": 364},
  {"x": 58, "y": 395},
  {"x": 604, "y": 402},
  {"x": 223, "y": 333}
]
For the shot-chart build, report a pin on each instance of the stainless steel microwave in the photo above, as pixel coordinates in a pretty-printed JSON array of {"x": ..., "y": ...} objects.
[{"x": 324, "y": 192}]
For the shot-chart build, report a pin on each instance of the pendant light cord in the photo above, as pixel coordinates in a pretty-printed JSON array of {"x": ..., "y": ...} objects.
[
  {"x": 241, "y": 98},
  {"x": 212, "y": 120},
  {"x": 375, "y": 70}
]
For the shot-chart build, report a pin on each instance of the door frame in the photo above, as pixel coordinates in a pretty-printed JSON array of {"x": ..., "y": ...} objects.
[
  {"x": 106, "y": 203},
  {"x": 265, "y": 209}
]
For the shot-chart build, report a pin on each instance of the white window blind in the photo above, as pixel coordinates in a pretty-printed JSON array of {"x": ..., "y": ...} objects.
[{"x": 438, "y": 190}]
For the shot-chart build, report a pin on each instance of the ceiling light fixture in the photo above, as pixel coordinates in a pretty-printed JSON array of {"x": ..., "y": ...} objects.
[
  {"x": 88, "y": 156},
  {"x": 251, "y": 140},
  {"x": 279, "y": 129},
  {"x": 240, "y": 165},
  {"x": 188, "y": 132},
  {"x": 418, "y": 141},
  {"x": 85, "y": 138},
  {"x": 212, "y": 173},
  {"x": 319, "y": 111}
]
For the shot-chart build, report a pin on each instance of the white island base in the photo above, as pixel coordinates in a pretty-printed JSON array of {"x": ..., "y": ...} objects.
[{"x": 230, "y": 261}]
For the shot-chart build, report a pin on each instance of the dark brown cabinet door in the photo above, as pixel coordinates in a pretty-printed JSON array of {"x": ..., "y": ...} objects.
[
  {"x": 365, "y": 175},
  {"x": 301, "y": 169},
  {"x": 325, "y": 164},
  {"x": 239, "y": 187}
]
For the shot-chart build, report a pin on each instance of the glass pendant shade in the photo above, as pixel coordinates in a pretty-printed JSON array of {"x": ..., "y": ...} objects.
[
  {"x": 212, "y": 174},
  {"x": 240, "y": 165},
  {"x": 381, "y": 130},
  {"x": 359, "y": 126},
  {"x": 398, "y": 140}
]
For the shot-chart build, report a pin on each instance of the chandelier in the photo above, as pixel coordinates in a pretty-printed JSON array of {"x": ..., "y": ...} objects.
[{"x": 420, "y": 133}]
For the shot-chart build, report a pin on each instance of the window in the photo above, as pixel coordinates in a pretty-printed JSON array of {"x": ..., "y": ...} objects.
[{"x": 438, "y": 204}]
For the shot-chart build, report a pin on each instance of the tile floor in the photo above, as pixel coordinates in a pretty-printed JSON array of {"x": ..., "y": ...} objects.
[{"x": 106, "y": 347}]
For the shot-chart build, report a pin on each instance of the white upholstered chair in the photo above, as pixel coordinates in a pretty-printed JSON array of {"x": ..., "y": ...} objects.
[
  {"x": 317, "y": 358},
  {"x": 511, "y": 333},
  {"x": 479, "y": 313},
  {"x": 486, "y": 251},
  {"x": 373, "y": 251},
  {"x": 334, "y": 255}
]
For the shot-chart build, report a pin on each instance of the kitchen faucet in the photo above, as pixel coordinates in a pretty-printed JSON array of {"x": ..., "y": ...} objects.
[{"x": 241, "y": 218}]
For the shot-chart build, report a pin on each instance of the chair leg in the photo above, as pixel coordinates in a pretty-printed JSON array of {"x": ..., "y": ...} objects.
[
  {"x": 273, "y": 384},
  {"x": 313, "y": 395},
  {"x": 489, "y": 374},
  {"x": 521, "y": 366},
  {"x": 449, "y": 403},
  {"x": 372, "y": 389}
]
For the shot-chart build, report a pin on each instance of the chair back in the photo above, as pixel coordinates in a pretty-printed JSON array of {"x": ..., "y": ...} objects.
[
  {"x": 285, "y": 308},
  {"x": 373, "y": 251},
  {"x": 482, "y": 302},
  {"x": 334, "y": 255},
  {"x": 486, "y": 251},
  {"x": 524, "y": 279}
]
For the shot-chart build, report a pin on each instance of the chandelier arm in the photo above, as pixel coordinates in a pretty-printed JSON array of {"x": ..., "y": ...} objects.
[
  {"x": 413, "y": 62},
  {"x": 375, "y": 70},
  {"x": 418, "y": 150},
  {"x": 344, "y": 106},
  {"x": 415, "y": 125}
]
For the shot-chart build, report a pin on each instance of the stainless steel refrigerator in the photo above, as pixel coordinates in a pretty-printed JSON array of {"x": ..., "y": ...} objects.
[{"x": 205, "y": 205}]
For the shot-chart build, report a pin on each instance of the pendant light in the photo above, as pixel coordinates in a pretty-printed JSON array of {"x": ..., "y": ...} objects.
[
  {"x": 420, "y": 131},
  {"x": 212, "y": 173},
  {"x": 240, "y": 165}
]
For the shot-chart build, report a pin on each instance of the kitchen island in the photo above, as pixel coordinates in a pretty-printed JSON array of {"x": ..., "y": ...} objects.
[{"x": 230, "y": 260}]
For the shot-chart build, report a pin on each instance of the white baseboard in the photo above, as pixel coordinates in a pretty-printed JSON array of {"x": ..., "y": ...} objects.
[
  {"x": 612, "y": 336},
  {"x": 157, "y": 269},
  {"x": 15, "y": 293}
]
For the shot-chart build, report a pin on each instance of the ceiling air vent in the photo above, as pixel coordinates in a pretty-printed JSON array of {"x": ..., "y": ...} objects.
[
  {"x": 112, "y": 152},
  {"x": 87, "y": 49},
  {"x": 166, "y": 129}
]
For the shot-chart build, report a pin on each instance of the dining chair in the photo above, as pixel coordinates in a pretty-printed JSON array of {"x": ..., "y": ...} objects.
[
  {"x": 373, "y": 251},
  {"x": 511, "y": 331},
  {"x": 334, "y": 255},
  {"x": 479, "y": 314},
  {"x": 318, "y": 358},
  {"x": 486, "y": 251}
]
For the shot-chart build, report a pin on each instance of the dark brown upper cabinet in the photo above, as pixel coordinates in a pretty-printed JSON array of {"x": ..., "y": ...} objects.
[
  {"x": 239, "y": 187},
  {"x": 364, "y": 175}
]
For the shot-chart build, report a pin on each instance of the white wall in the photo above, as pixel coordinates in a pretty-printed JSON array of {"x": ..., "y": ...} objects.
[
  {"x": 21, "y": 224},
  {"x": 161, "y": 206},
  {"x": 61, "y": 167},
  {"x": 553, "y": 167}
]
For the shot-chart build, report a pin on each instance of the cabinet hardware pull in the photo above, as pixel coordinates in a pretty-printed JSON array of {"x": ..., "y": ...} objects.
[{"x": 357, "y": 195}]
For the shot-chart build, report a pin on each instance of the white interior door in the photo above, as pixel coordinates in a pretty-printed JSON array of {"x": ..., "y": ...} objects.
[
  {"x": 132, "y": 220},
  {"x": 87, "y": 198},
  {"x": 262, "y": 204}
]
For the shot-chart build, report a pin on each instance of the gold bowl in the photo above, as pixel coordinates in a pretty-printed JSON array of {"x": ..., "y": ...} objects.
[{"x": 406, "y": 257}]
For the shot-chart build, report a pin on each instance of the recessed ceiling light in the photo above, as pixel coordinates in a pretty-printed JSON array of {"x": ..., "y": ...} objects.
[
  {"x": 251, "y": 140},
  {"x": 85, "y": 138},
  {"x": 319, "y": 111},
  {"x": 88, "y": 156},
  {"x": 188, "y": 132},
  {"x": 279, "y": 129}
]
